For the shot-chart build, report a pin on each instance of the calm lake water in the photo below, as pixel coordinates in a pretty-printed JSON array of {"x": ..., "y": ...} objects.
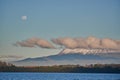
[{"x": 58, "y": 76}]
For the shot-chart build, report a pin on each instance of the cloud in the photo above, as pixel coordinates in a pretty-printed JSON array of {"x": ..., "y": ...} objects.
[
  {"x": 72, "y": 43},
  {"x": 89, "y": 42},
  {"x": 44, "y": 44},
  {"x": 67, "y": 42},
  {"x": 10, "y": 56},
  {"x": 110, "y": 43},
  {"x": 32, "y": 42}
]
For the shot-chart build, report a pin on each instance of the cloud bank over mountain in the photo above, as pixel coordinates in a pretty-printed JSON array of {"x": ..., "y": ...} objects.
[
  {"x": 89, "y": 42},
  {"x": 72, "y": 43}
]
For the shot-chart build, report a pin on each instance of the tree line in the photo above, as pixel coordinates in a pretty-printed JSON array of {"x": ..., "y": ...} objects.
[{"x": 93, "y": 68}]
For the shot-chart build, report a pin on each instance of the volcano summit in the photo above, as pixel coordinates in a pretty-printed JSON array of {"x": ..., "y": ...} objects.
[{"x": 79, "y": 56}]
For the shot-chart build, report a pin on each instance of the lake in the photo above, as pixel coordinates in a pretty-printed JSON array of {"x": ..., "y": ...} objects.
[{"x": 58, "y": 76}]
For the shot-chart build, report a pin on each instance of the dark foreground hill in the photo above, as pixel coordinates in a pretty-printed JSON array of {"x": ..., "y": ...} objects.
[{"x": 96, "y": 68}]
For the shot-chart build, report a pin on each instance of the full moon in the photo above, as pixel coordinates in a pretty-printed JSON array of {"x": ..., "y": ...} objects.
[{"x": 24, "y": 17}]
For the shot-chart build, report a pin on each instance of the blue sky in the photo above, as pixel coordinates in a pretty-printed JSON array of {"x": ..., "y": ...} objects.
[{"x": 55, "y": 18}]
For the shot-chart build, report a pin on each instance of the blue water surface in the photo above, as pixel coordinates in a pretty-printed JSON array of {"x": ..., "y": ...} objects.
[{"x": 58, "y": 76}]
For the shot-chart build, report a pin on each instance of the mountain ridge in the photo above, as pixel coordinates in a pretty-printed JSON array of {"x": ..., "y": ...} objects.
[{"x": 71, "y": 58}]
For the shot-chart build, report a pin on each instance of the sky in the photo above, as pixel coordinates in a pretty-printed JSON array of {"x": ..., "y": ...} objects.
[{"x": 47, "y": 19}]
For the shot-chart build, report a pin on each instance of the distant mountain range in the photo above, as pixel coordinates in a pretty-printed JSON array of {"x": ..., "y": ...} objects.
[{"x": 74, "y": 56}]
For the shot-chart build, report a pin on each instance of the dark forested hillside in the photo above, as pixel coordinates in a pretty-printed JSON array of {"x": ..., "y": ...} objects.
[{"x": 93, "y": 68}]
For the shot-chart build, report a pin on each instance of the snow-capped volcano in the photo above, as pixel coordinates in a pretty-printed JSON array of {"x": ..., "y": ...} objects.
[
  {"x": 80, "y": 56},
  {"x": 88, "y": 51}
]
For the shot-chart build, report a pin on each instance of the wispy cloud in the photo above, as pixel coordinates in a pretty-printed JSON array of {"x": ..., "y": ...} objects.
[
  {"x": 32, "y": 42},
  {"x": 10, "y": 56}
]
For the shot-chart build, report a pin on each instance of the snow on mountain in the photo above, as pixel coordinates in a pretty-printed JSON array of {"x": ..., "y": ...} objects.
[
  {"x": 88, "y": 51},
  {"x": 74, "y": 56}
]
